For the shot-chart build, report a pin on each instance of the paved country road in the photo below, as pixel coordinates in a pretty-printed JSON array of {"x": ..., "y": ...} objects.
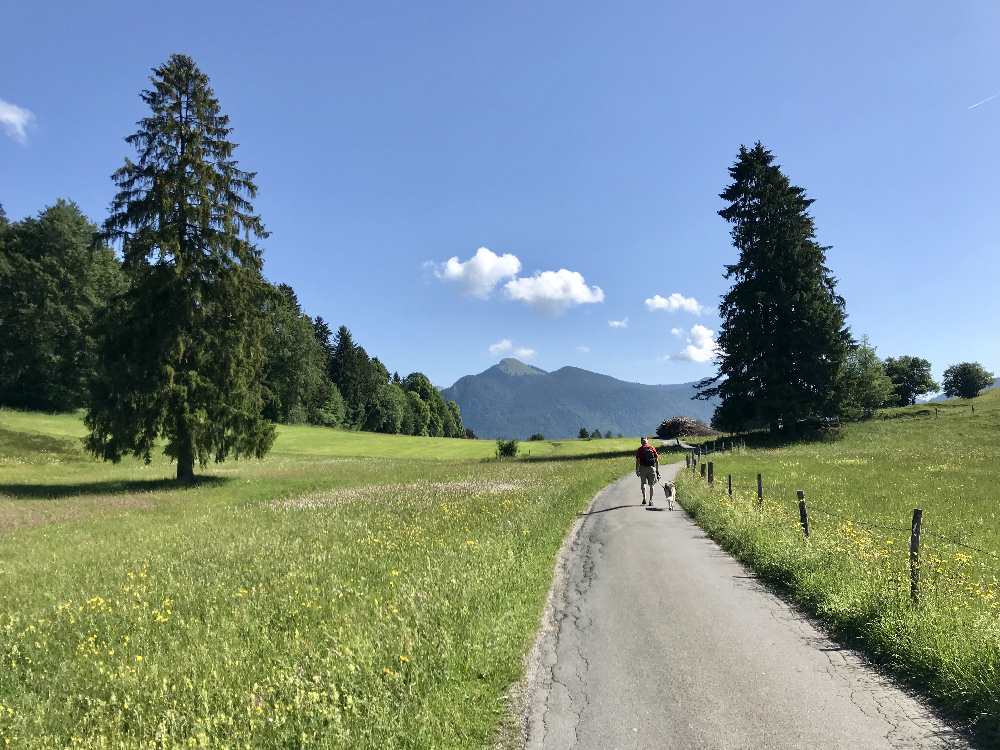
[{"x": 655, "y": 638}]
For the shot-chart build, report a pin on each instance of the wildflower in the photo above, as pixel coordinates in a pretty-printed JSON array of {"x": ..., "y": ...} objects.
[{"x": 404, "y": 659}]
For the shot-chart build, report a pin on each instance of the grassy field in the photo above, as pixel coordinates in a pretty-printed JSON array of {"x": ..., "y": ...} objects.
[
  {"x": 861, "y": 491},
  {"x": 351, "y": 590}
]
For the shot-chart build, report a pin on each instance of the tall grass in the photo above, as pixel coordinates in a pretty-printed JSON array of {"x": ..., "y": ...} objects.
[
  {"x": 853, "y": 571},
  {"x": 312, "y": 599}
]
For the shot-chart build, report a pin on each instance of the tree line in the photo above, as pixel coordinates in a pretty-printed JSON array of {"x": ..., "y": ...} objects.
[
  {"x": 57, "y": 285},
  {"x": 785, "y": 353},
  {"x": 160, "y": 323}
]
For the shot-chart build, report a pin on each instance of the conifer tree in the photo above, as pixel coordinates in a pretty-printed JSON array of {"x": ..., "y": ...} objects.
[
  {"x": 53, "y": 287},
  {"x": 183, "y": 353},
  {"x": 783, "y": 337}
]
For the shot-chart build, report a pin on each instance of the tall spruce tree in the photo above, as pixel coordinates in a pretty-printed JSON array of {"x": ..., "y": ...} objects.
[
  {"x": 783, "y": 337},
  {"x": 182, "y": 353}
]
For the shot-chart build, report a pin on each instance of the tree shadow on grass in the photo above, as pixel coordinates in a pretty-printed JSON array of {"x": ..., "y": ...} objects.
[
  {"x": 578, "y": 456},
  {"x": 41, "y": 491}
]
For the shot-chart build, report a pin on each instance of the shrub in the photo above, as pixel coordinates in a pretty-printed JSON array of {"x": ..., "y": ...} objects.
[
  {"x": 506, "y": 448},
  {"x": 537, "y": 436}
]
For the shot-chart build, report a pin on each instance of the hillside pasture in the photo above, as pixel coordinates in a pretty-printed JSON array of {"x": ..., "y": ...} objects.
[{"x": 350, "y": 590}]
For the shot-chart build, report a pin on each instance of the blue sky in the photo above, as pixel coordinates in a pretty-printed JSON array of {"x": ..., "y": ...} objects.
[{"x": 583, "y": 144}]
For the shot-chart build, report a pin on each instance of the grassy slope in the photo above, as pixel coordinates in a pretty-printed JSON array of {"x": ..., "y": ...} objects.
[
  {"x": 861, "y": 491},
  {"x": 312, "y": 598}
]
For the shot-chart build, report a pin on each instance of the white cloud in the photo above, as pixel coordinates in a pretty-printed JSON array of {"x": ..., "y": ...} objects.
[
  {"x": 480, "y": 274},
  {"x": 506, "y": 346},
  {"x": 503, "y": 345},
  {"x": 676, "y": 301},
  {"x": 701, "y": 345},
  {"x": 623, "y": 323},
  {"x": 15, "y": 120},
  {"x": 553, "y": 291},
  {"x": 676, "y": 332},
  {"x": 583, "y": 349}
]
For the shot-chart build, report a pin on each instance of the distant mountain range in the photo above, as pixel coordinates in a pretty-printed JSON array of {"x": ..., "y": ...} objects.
[{"x": 515, "y": 400}]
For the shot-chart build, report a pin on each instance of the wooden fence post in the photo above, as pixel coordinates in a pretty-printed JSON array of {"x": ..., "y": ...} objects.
[
  {"x": 711, "y": 472},
  {"x": 703, "y": 471},
  {"x": 803, "y": 513},
  {"x": 918, "y": 515},
  {"x": 687, "y": 460},
  {"x": 760, "y": 490},
  {"x": 730, "y": 485}
]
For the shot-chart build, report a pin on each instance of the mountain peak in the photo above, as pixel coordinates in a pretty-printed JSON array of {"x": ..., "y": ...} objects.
[
  {"x": 511, "y": 366},
  {"x": 504, "y": 402}
]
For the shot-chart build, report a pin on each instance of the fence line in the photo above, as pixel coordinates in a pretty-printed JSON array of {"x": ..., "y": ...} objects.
[{"x": 694, "y": 460}]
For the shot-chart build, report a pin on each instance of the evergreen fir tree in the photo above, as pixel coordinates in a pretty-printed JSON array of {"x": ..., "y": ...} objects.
[
  {"x": 183, "y": 353},
  {"x": 783, "y": 337}
]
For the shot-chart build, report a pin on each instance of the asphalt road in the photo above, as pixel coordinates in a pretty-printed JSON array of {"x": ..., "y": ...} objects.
[{"x": 658, "y": 639}]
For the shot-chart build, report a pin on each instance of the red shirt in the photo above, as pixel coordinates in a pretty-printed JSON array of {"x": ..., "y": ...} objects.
[{"x": 638, "y": 453}]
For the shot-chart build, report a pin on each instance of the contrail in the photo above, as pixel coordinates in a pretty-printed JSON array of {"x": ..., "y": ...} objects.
[{"x": 987, "y": 99}]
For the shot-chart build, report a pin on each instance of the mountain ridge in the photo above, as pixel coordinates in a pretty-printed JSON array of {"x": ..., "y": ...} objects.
[{"x": 514, "y": 399}]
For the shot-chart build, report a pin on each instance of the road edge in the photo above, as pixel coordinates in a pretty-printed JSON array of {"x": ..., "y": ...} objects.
[{"x": 525, "y": 700}]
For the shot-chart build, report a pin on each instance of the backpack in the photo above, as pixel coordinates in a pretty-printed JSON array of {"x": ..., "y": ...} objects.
[{"x": 647, "y": 456}]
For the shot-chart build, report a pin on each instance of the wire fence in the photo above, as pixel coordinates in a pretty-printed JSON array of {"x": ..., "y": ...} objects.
[{"x": 706, "y": 470}]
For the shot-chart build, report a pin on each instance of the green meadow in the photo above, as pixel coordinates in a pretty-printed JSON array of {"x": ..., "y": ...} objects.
[
  {"x": 351, "y": 590},
  {"x": 853, "y": 572}
]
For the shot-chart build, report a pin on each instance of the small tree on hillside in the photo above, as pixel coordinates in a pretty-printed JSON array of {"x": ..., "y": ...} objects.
[
  {"x": 911, "y": 377},
  {"x": 182, "y": 352},
  {"x": 966, "y": 380},
  {"x": 783, "y": 337},
  {"x": 584, "y": 434},
  {"x": 864, "y": 384}
]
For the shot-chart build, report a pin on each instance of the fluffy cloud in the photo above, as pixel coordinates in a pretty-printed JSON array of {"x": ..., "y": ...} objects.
[
  {"x": 503, "y": 345},
  {"x": 553, "y": 291},
  {"x": 701, "y": 345},
  {"x": 583, "y": 349},
  {"x": 673, "y": 303},
  {"x": 480, "y": 274},
  {"x": 15, "y": 120},
  {"x": 676, "y": 332},
  {"x": 623, "y": 323}
]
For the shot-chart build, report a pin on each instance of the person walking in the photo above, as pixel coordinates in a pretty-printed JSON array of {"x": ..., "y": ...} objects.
[{"x": 647, "y": 468}]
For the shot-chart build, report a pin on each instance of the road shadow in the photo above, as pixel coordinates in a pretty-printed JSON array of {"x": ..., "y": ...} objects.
[
  {"x": 41, "y": 491},
  {"x": 578, "y": 456},
  {"x": 605, "y": 510}
]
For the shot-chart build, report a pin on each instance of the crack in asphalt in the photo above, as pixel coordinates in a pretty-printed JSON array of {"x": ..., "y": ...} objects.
[{"x": 607, "y": 642}]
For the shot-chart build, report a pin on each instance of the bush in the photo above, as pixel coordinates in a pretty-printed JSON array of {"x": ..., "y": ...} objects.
[
  {"x": 469, "y": 434},
  {"x": 537, "y": 436},
  {"x": 506, "y": 448}
]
